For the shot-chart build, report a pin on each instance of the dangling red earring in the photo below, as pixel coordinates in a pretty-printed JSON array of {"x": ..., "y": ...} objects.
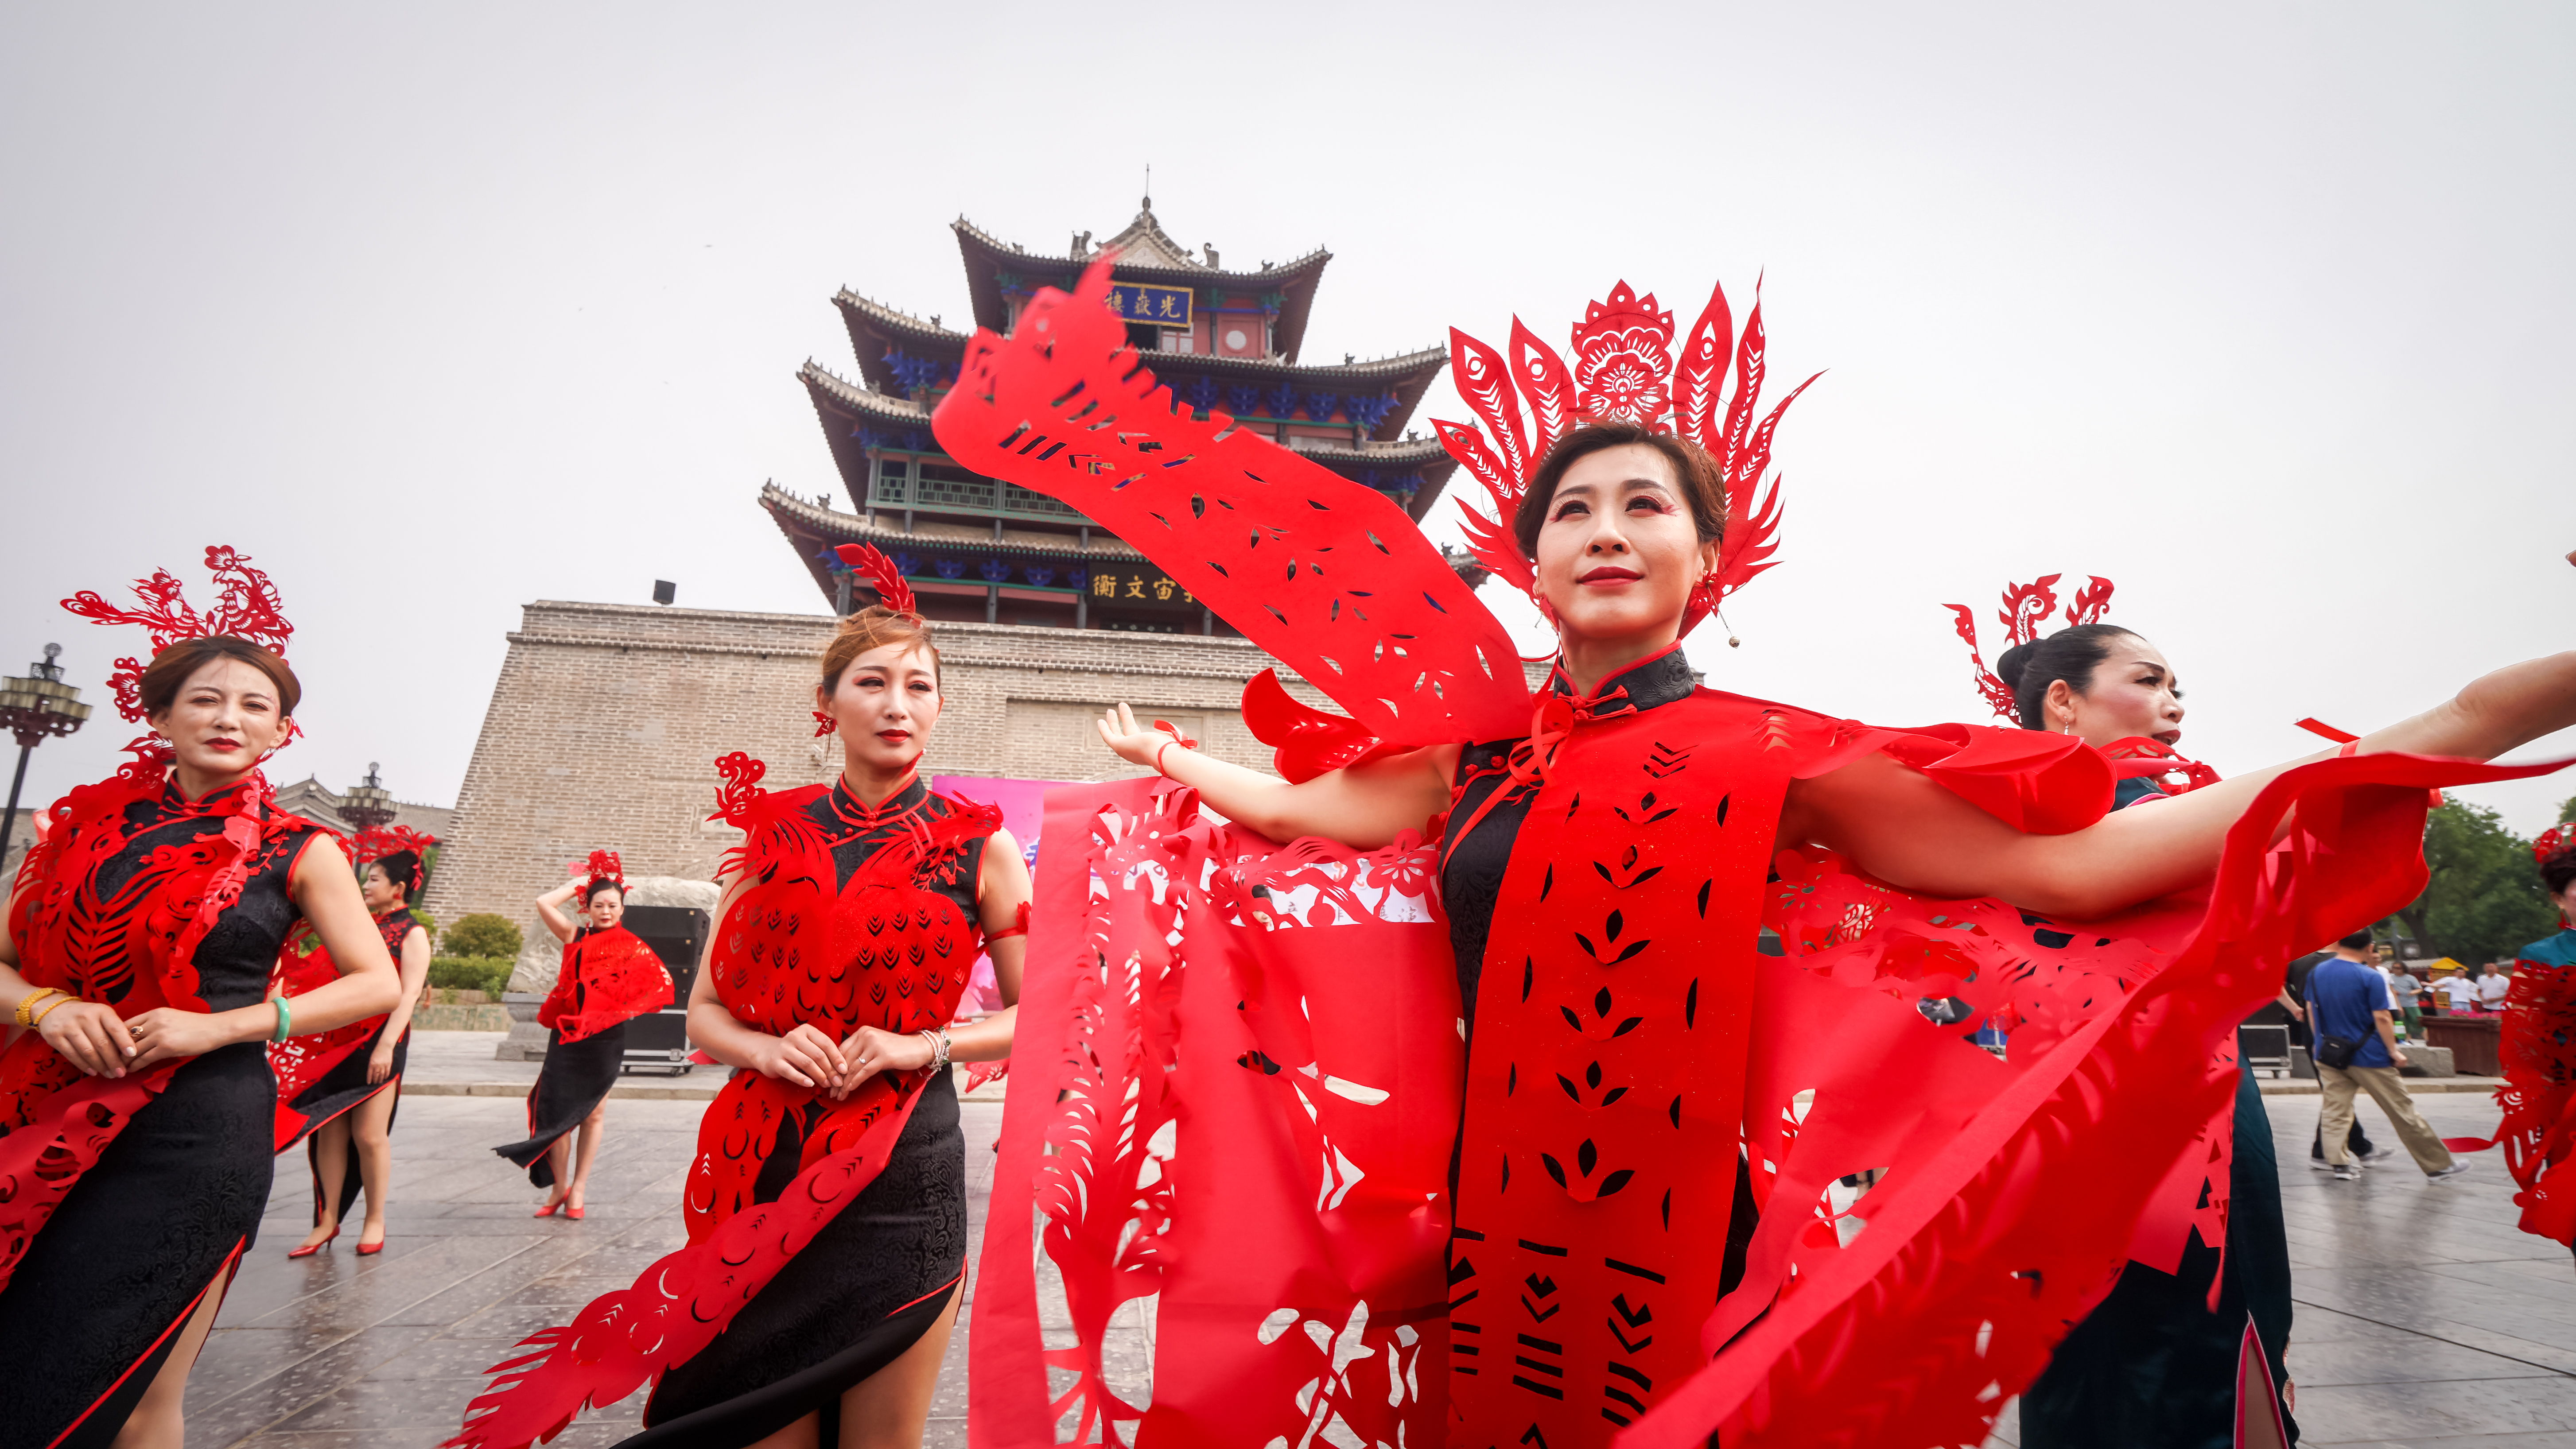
[
  {"x": 1546, "y": 610},
  {"x": 824, "y": 724}
]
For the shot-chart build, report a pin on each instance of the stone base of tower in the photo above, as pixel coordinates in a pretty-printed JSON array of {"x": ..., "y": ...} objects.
[{"x": 607, "y": 719}]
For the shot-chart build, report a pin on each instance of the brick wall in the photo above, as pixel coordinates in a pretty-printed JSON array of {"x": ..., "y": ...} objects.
[{"x": 607, "y": 719}]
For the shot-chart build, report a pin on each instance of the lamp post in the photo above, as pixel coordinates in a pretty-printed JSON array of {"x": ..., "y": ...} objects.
[
  {"x": 369, "y": 805},
  {"x": 35, "y": 708}
]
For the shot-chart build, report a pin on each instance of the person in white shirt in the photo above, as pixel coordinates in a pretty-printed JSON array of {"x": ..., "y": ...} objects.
[
  {"x": 2463, "y": 992},
  {"x": 2495, "y": 986}
]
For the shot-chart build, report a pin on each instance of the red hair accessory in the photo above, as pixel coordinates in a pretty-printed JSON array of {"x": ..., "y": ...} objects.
[
  {"x": 872, "y": 565},
  {"x": 1624, "y": 367},
  {"x": 2025, "y": 612},
  {"x": 1019, "y": 926},
  {"x": 602, "y": 865},
  {"x": 2552, "y": 841},
  {"x": 379, "y": 841},
  {"x": 246, "y": 607}
]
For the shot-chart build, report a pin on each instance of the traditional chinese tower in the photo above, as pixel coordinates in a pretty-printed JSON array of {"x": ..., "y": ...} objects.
[{"x": 981, "y": 550}]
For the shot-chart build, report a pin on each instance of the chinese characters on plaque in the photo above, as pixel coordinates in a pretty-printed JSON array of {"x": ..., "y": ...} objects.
[
  {"x": 1145, "y": 586},
  {"x": 1143, "y": 302}
]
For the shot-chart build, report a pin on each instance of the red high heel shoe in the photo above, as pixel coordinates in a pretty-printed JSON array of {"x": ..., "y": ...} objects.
[
  {"x": 369, "y": 1250},
  {"x": 307, "y": 1250},
  {"x": 548, "y": 1210},
  {"x": 573, "y": 1213}
]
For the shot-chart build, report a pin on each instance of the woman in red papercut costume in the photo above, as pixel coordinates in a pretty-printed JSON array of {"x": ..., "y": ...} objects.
[
  {"x": 2160, "y": 1362},
  {"x": 826, "y": 1206},
  {"x": 337, "y": 1091},
  {"x": 135, "y": 1115},
  {"x": 609, "y": 977},
  {"x": 1610, "y": 850},
  {"x": 2537, "y": 1046}
]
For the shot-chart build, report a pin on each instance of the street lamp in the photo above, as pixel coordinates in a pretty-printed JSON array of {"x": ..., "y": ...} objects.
[
  {"x": 369, "y": 805},
  {"x": 34, "y": 708}
]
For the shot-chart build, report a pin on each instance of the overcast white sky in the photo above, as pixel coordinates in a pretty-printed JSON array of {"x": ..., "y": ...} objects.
[{"x": 2261, "y": 311}]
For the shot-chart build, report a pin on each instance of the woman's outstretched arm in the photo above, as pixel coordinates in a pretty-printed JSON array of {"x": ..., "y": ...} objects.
[
  {"x": 1903, "y": 828},
  {"x": 1363, "y": 807}
]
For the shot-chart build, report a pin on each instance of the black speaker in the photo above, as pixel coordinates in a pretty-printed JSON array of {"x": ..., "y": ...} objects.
[{"x": 678, "y": 936}]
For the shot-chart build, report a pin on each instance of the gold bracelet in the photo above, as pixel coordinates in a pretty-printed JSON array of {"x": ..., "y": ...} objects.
[
  {"x": 32, "y": 997},
  {"x": 59, "y": 1000}
]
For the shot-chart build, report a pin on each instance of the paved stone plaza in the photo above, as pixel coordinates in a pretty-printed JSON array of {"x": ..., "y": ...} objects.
[{"x": 2424, "y": 1318}]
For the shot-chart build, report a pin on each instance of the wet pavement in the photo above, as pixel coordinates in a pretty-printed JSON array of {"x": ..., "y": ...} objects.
[{"x": 2424, "y": 1317}]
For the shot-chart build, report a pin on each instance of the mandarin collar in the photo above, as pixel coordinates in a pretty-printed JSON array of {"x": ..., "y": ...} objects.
[
  {"x": 848, "y": 806},
  {"x": 1647, "y": 684}
]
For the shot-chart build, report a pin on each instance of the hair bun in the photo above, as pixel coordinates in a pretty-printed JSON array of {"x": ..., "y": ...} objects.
[{"x": 2010, "y": 664}]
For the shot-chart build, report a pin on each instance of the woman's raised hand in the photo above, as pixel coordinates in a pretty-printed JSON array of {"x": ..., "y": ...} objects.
[
  {"x": 89, "y": 1035},
  {"x": 871, "y": 1051},
  {"x": 804, "y": 1056},
  {"x": 1118, "y": 730}
]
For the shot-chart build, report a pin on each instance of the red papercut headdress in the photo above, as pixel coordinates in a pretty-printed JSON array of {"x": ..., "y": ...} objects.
[
  {"x": 882, "y": 576},
  {"x": 1624, "y": 367},
  {"x": 2551, "y": 843},
  {"x": 2025, "y": 612},
  {"x": 602, "y": 865},
  {"x": 379, "y": 841},
  {"x": 246, "y": 607}
]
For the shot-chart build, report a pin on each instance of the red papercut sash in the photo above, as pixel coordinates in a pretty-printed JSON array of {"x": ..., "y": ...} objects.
[{"x": 677, "y": 1306}]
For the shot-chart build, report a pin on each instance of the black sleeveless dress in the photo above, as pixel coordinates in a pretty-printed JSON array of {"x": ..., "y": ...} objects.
[
  {"x": 90, "y": 1315},
  {"x": 575, "y": 1078},
  {"x": 878, "y": 1275}
]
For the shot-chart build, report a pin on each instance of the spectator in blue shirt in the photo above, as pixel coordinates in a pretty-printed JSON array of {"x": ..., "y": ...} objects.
[{"x": 2348, "y": 1004}]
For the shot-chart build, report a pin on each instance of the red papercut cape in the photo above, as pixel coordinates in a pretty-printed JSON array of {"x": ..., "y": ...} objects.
[
  {"x": 884, "y": 952},
  {"x": 136, "y": 949},
  {"x": 607, "y": 977}
]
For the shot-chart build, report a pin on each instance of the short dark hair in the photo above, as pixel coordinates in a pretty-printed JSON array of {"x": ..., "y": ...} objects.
[
  {"x": 172, "y": 668},
  {"x": 2357, "y": 941},
  {"x": 600, "y": 883},
  {"x": 2069, "y": 654},
  {"x": 1693, "y": 470}
]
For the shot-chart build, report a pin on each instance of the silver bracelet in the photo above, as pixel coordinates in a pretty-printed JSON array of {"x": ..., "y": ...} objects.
[{"x": 938, "y": 1046}]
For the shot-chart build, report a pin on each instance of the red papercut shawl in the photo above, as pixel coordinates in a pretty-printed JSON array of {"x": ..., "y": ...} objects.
[
  {"x": 883, "y": 951},
  {"x": 304, "y": 964},
  {"x": 2013, "y": 1190},
  {"x": 2537, "y": 1049},
  {"x": 136, "y": 949},
  {"x": 608, "y": 976}
]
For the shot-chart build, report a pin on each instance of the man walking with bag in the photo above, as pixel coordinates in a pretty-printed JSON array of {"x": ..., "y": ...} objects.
[{"x": 2355, "y": 1048}]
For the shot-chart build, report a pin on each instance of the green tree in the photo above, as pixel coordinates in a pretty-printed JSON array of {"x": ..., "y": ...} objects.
[
  {"x": 2484, "y": 899},
  {"x": 2567, "y": 811},
  {"x": 481, "y": 934}
]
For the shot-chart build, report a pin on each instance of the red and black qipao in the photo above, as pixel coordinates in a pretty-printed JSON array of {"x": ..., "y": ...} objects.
[
  {"x": 608, "y": 978},
  {"x": 122, "y": 1198},
  {"x": 849, "y": 917},
  {"x": 324, "y": 1075}
]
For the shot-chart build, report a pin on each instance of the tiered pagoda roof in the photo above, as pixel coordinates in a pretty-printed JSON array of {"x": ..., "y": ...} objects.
[{"x": 1218, "y": 337}]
